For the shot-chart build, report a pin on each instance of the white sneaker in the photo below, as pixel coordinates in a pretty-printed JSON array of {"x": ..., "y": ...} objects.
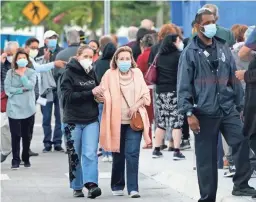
[
  {"x": 134, "y": 194},
  {"x": 118, "y": 193},
  {"x": 105, "y": 159},
  {"x": 110, "y": 158}
]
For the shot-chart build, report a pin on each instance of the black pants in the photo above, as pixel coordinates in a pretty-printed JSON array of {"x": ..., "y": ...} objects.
[
  {"x": 185, "y": 129},
  {"x": 21, "y": 128},
  {"x": 32, "y": 128},
  {"x": 206, "y": 153}
]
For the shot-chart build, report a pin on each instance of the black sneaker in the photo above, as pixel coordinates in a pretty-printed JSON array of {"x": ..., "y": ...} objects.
[
  {"x": 78, "y": 193},
  {"x": 47, "y": 149},
  {"x": 94, "y": 192},
  {"x": 163, "y": 147},
  {"x": 231, "y": 171},
  {"x": 58, "y": 149},
  {"x": 157, "y": 154},
  {"x": 171, "y": 149},
  {"x": 178, "y": 156},
  {"x": 185, "y": 144},
  {"x": 15, "y": 167},
  {"x": 27, "y": 164},
  {"x": 32, "y": 153},
  {"x": 248, "y": 191}
]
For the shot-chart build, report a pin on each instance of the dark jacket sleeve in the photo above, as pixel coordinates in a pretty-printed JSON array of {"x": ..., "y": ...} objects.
[
  {"x": 68, "y": 92},
  {"x": 185, "y": 83},
  {"x": 236, "y": 84},
  {"x": 250, "y": 76}
]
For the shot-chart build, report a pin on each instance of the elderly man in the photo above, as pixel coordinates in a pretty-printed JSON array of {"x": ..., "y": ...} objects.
[
  {"x": 6, "y": 60},
  {"x": 132, "y": 35},
  {"x": 148, "y": 24}
]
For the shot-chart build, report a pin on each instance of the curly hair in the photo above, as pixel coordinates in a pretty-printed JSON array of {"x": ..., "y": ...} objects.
[
  {"x": 113, "y": 63},
  {"x": 238, "y": 30},
  {"x": 167, "y": 29}
]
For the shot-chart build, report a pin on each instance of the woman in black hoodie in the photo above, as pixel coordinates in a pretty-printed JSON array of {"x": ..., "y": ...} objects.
[
  {"x": 166, "y": 98},
  {"x": 78, "y": 87}
]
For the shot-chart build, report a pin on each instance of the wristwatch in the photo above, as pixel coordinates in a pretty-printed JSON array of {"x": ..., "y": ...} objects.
[{"x": 189, "y": 114}]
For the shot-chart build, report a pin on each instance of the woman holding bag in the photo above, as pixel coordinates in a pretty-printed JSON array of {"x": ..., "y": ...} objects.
[{"x": 125, "y": 97}]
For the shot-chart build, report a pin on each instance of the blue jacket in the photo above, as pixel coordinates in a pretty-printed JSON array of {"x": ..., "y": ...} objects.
[{"x": 204, "y": 90}]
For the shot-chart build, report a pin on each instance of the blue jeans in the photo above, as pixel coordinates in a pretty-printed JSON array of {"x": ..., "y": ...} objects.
[
  {"x": 104, "y": 153},
  {"x": 82, "y": 145},
  {"x": 129, "y": 151},
  {"x": 47, "y": 117}
]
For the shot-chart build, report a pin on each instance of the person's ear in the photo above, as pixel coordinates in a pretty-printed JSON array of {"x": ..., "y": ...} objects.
[{"x": 216, "y": 18}]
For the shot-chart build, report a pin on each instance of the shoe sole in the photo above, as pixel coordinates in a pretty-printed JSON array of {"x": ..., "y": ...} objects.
[
  {"x": 15, "y": 168},
  {"x": 79, "y": 196},
  {"x": 135, "y": 196},
  {"x": 239, "y": 193},
  {"x": 229, "y": 174},
  {"x": 96, "y": 193},
  {"x": 178, "y": 159},
  {"x": 156, "y": 157},
  {"x": 34, "y": 155},
  {"x": 185, "y": 148}
]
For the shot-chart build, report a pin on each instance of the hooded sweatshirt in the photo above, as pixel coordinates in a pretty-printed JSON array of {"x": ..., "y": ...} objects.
[
  {"x": 103, "y": 64},
  {"x": 79, "y": 106}
]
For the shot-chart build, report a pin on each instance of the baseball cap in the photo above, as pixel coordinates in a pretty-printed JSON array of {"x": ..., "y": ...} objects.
[{"x": 49, "y": 34}]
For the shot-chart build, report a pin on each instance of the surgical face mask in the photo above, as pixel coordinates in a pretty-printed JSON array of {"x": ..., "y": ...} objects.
[
  {"x": 210, "y": 30},
  {"x": 9, "y": 58},
  {"x": 86, "y": 64},
  {"x": 52, "y": 43},
  {"x": 180, "y": 47},
  {"x": 124, "y": 66},
  {"x": 33, "y": 53},
  {"x": 22, "y": 63}
]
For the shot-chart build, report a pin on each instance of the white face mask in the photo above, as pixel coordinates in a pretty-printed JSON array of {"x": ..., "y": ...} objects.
[
  {"x": 9, "y": 58},
  {"x": 180, "y": 47},
  {"x": 86, "y": 64},
  {"x": 33, "y": 53}
]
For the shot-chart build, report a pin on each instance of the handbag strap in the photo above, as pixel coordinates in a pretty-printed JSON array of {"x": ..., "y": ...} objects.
[
  {"x": 155, "y": 59},
  {"x": 124, "y": 98}
]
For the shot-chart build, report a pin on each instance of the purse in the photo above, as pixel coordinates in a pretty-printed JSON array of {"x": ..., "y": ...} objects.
[
  {"x": 151, "y": 75},
  {"x": 4, "y": 99},
  {"x": 136, "y": 120}
]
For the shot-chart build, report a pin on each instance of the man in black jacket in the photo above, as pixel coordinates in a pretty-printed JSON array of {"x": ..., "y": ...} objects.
[
  {"x": 52, "y": 48},
  {"x": 211, "y": 96}
]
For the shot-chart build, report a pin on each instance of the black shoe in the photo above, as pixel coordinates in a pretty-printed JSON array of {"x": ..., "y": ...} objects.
[
  {"x": 231, "y": 171},
  {"x": 94, "y": 192},
  {"x": 178, "y": 156},
  {"x": 4, "y": 157},
  {"x": 185, "y": 144},
  {"x": 27, "y": 164},
  {"x": 157, "y": 154},
  {"x": 163, "y": 147},
  {"x": 32, "y": 153},
  {"x": 171, "y": 149},
  {"x": 15, "y": 167},
  {"x": 78, "y": 193},
  {"x": 249, "y": 191},
  {"x": 58, "y": 149},
  {"x": 47, "y": 149}
]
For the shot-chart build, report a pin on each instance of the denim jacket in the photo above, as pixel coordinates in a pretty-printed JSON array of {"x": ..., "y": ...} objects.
[
  {"x": 203, "y": 89},
  {"x": 20, "y": 104}
]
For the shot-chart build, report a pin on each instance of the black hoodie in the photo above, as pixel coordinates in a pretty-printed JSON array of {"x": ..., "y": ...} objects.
[
  {"x": 76, "y": 87},
  {"x": 167, "y": 65},
  {"x": 103, "y": 64}
]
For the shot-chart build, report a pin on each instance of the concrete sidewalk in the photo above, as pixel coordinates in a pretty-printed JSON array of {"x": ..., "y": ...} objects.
[{"x": 179, "y": 175}]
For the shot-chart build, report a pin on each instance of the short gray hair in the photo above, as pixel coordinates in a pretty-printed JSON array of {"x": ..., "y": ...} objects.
[
  {"x": 248, "y": 32},
  {"x": 146, "y": 23},
  {"x": 214, "y": 9},
  {"x": 9, "y": 45},
  {"x": 73, "y": 36},
  {"x": 132, "y": 33}
]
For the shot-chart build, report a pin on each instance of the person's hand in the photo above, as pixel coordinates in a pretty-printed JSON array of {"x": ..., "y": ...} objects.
[
  {"x": 194, "y": 124},
  {"x": 60, "y": 64},
  {"x": 240, "y": 74},
  {"x": 98, "y": 91},
  {"x": 3, "y": 57},
  {"x": 100, "y": 99},
  {"x": 132, "y": 111},
  {"x": 24, "y": 90},
  {"x": 47, "y": 54}
]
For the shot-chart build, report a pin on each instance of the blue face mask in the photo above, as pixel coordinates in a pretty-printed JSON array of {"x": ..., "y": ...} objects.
[
  {"x": 124, "y": 66},
  {"x": 210, "y": 30},
  {"x": 52, "y": 43},
  {"x": 22, "y": 63}
]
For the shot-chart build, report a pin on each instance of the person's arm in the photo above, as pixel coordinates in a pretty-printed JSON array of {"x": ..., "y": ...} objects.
[
  {"x": 8, "y": 88},
  {"x": 250, "y": 76},
  {"x": 142, "y": 64},
  {"x": 42, "y": 67},
  {"x": 185, "y": 84},
  {"x": 68, "y": 93},
  {"x": 29, "y": 82}
]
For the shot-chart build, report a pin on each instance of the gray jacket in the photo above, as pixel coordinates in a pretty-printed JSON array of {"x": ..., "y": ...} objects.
[{"x": 213, "y": 92}]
